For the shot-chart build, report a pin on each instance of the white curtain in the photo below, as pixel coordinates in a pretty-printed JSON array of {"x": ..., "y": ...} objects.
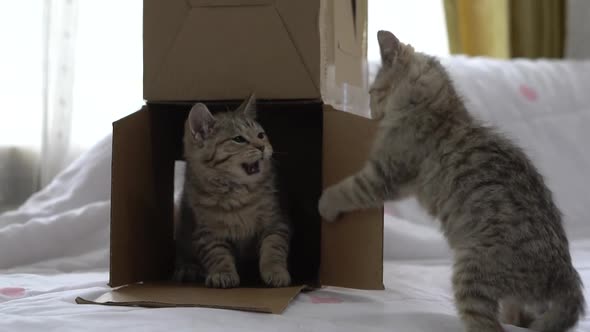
[
  {"x": 60, "y": 32},
  {"x": 68, "y": 69}
]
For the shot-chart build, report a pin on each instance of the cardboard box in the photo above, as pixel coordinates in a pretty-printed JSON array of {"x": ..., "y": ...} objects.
[
  {"x": 317, "y": 144},
  {"x": 224, "y": 49},
  {"x": 319, "y": 148}
]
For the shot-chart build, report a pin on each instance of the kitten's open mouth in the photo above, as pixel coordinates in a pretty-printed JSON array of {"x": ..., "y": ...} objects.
[{"x": 252, "y": 168}]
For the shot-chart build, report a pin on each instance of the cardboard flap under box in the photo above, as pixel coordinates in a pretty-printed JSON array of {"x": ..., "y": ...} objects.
[
  {"x": 223, "y": 49},
  {"x": 319, "y": 146},
  {"x": 163, "y": 295}
]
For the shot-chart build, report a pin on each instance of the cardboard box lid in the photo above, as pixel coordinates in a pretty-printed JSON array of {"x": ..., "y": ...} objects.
[{"x": 223, "y": 49}]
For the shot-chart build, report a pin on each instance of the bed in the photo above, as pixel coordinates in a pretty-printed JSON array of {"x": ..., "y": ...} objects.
[{"x": 54, "y": 248}]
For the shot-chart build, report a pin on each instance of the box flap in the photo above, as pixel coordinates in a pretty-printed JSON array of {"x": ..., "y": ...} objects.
[
  {"x": 345, "y": 74},
  {"x": 158, "y": 295},
  {"x": 201, "y": 50},
  {"x": 350, "y": 26},
  {"x": 141, "y": 200},
  {"x": 352, "y": 248},
  {"x": 226, "y": 3},
  {"x": 161, "y": 24}
]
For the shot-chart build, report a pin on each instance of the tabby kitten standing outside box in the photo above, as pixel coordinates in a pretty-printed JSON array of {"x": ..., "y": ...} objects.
[
  {"x": 512, "y": 260},
  {"x": 229, "y": 209}
]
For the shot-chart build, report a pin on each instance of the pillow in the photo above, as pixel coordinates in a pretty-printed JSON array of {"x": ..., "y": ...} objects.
[{"x": 544, "y": 107}]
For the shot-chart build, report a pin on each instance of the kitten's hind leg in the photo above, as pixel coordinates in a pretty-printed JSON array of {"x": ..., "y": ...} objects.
[
  {"x": 478, "y": 312},
  {"x": 368, "y": 188},
  {"x": 476, "y": 299}
]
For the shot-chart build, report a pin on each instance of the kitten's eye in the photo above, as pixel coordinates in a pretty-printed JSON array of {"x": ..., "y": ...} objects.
[
  {"x": 261, "y": 135},
  {"x": 239, "y": 139}
]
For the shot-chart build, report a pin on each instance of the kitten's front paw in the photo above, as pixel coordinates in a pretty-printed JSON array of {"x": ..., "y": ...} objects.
[
  {"x": 276, "y": 276},
  {"x": 222, "y": 280},
  {"x": 327, "y": 206}
]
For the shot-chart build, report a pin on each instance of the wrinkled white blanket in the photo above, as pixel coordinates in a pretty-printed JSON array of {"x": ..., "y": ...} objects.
[{"x": 55, "y": 247}]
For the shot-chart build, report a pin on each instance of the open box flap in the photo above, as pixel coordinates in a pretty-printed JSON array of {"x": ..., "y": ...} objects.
[
  {"x": 260, "y": 46},
  {"x": 140, "y": 189},
  {"x": 350, "y": 44},
  {"x": 345, "y": 74},
  {"x": 282, "y": 49},
  {"x": 161, "y": 295},
  {"x": 229, "y": 3},
  {"x": 352, "y": 248}
]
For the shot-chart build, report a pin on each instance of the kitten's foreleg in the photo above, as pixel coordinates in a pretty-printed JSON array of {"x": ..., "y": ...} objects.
[
  {"x": 217, "y": 259},
  {"x": 274, "y": 252},
  {"x": 366, "y": 189}
]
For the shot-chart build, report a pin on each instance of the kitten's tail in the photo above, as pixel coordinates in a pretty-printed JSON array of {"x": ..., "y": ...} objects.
[{"x": 564, "y": 311}]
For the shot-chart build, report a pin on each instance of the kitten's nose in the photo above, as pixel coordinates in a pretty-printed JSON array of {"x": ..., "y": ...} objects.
[{"x": 260, "y": 147}]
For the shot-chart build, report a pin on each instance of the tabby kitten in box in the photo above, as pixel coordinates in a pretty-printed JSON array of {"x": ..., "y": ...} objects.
[
  {"x": 229, "y": 209},
  {"x": 511, "y": 255}
]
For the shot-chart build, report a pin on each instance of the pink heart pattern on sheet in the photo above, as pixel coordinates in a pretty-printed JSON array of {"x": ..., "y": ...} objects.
[
  {"x": 324, "y": 299},
  {"x": 529, "y": 93},
  {"x": 12, "y": 291}
]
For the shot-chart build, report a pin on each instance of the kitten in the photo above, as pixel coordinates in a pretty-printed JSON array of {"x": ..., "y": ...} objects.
[
  {"x": 229, "y": 211},
  {"x": 511, "y": 251}
]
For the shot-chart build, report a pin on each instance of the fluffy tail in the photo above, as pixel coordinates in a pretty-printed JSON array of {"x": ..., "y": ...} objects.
[{"x": 564, "y": 312}]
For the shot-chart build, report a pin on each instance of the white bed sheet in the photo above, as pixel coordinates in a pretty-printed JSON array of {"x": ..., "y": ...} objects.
[
  {"x": 55, "y": 246},
  {"x": 417, "y": 299}
]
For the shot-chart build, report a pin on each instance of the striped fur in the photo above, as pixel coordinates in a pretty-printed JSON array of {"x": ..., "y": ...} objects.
[
  {"x": 512, "y": 257},
  {"x": 228, "y": 217}
]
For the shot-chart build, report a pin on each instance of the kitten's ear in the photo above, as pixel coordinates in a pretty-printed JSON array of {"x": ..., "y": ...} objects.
[
  {"x": 201, "y": 121},
  {"x": 248, "y": 107},
  {"x": 389, "y": 45}
]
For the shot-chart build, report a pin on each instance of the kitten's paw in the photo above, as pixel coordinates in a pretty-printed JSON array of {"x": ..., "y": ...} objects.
[
  {"x": 222, "y": 280},
  {"x": 327, "y": 206},
  {"x": 186, "y": 273},
  {"x": 276, "y": 276}
]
